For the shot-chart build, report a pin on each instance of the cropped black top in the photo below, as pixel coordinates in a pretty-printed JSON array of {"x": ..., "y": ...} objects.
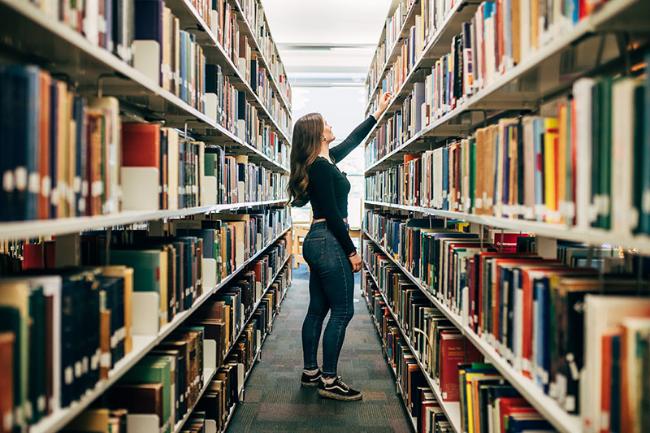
[{"x": 329, "y": 187}]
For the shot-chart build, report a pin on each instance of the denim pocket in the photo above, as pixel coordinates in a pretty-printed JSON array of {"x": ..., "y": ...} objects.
[{"x": 313, "y": 249}]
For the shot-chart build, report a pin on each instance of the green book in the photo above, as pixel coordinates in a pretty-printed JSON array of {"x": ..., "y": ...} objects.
[
  {"x": 156, "y": 369},
  {"x": 14, "y": 317},
  {"x": 37, "y": 380},
  {"x": 605, "y": 168},
  {"x": 146, "y": 267}
]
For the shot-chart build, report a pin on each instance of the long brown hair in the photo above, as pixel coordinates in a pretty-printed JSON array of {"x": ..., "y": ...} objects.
[{"x": 305, "y": 147}]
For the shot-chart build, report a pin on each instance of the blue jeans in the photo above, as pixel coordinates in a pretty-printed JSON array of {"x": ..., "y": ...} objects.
[{"x": 331, "y": 287}]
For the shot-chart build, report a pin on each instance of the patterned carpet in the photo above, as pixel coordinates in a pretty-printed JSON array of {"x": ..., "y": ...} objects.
[{"x": 275, "y": 401}]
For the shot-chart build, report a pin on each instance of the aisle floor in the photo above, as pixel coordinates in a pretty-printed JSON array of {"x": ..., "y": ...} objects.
[{"x": 275, "y": 401}]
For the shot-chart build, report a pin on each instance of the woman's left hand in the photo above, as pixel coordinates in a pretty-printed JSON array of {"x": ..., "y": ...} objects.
[{"x": 384, "y": 100}]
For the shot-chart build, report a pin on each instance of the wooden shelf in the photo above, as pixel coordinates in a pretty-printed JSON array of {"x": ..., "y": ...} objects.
[{"x": 548, "y": 407}]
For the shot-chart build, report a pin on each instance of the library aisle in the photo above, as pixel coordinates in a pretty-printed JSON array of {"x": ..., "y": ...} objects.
[{"x": 275, "y": 401}]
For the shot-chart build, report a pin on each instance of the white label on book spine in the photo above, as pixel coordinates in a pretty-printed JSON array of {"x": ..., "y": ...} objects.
[
  {"x": 105, "y": 360},
  {"x": 94, "y": 361},
  {"x": 41, "y": 403},
  {"x": 645, "y": 203},
  {"x": 76, "y": 184},
  {"x": 8, "y": 180},
  {"x": 68, "y": 375},
  {"x": 29, "y": 412},
  {"x": 21, "y": 178},
  {"x": 19, "y": 416},
  {"x": 77, "y": 369},
  {"x": 34, "y": 183},
  {"x": 97, "y": 188},
  {"x": 46, "y": 185},
  {"x": 7, "y": 421},
  {"x": 85, "y": 365}
]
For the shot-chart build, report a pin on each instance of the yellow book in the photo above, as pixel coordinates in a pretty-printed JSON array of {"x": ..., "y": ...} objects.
[
  {"x": 127, "y": 274},
  {"x": 468, "y": 397},
  {"x": 550, "y": 162}
]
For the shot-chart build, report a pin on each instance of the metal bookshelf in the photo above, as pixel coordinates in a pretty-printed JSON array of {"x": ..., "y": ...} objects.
[
  {"x": 548, "y": 407},
  {"x": 189, "y": 17},
  {"x": 209, "y": 373},
  {"x": 640, "y": 243},
  {"x": 611, "y": 16},
  {"x": 54, "y": 45},
  {"x": 248, "y": 29},
  {"x": 141, "y": 346},
  {"x": 59, "y": 226},
  {"x": 436, "y": 45},
  {"x": 451, "y": 409},
  {"x": 392, "y": 51}
]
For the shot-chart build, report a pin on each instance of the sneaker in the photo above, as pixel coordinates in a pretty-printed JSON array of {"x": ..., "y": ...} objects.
[
  {"x": 338, "y": 390},
  {"x": 311, "y": 380}
]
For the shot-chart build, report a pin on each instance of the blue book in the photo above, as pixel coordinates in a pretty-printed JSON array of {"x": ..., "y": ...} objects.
[{"x": 148, "y": 23}]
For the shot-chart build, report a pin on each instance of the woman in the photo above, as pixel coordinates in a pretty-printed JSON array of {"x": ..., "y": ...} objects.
[{"x": 327, "y": 249}]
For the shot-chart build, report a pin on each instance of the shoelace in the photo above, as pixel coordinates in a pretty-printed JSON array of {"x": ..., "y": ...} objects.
[{"x": 340, "y": 382}]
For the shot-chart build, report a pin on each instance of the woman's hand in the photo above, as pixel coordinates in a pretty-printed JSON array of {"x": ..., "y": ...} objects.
[
  {"x": 355, "y": 261},
  {"x": 383, "y": 104}
]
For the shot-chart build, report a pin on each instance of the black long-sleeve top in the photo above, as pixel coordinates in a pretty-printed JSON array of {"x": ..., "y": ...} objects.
[{"x": 329, "y": 188}]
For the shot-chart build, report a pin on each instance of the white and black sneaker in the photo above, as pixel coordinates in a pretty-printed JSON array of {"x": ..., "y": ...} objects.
[
  {"x": 311, "y": 379},
  {"x": 338, "y": 390}
]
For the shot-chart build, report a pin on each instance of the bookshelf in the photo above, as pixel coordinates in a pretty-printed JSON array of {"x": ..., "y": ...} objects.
[
  {"x": 210, "y": 373},
  {"x": 548, "y": 407},
  {"x": 60, "y": 226},
  {"x": 54, "y": 43},
  {"x": 257, "y": 136},
  {"x": 141, "y": 346},
  {"x": 527, "y": 87},
  {"x": 451, "y": 409},
  {"x": 639, "y": 243}
]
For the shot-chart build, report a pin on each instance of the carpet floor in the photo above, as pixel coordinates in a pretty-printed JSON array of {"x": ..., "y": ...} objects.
[{"x": 275, "y": 401}]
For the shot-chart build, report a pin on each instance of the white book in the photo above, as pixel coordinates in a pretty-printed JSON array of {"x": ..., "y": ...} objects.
[
  {"x": 600, "y": 314},
  {"x": 582, "y": 100},
  {"x": 624, "y": 214}
]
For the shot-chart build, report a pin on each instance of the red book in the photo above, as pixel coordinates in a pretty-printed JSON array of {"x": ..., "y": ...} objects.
[
  {"x": 140, "y": 145},
  {"x": 511, "y": 405},
  {"x": 606, "y": 381},
  {"x": 7, "y": 341},
  {"x": 451, "y": 353},
  {"x": 33, "y": 256}
]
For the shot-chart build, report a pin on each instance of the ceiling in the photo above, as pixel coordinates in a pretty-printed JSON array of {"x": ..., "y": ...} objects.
[{"x": 326, "y": 43}]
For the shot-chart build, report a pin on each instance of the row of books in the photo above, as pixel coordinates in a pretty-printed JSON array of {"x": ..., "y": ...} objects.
[
  {"x": 525, "y": 307},
  {"x": 166, "y": 384},
  {"x": 57, "y": 354},
  {"x": 583, "y": 164},
  {"x": 227, "y": 313},
  {"x": 79, "y": 159},
  {"x": 390, "y": 37},
  {"x": 419, "y": 400},
  {"x": 492, "y": 406},
  {"x": 478, "y": 56},
  {"x": 146, "y": 33},
  {"x": 239, "y": 49},
  {"x": 429, "y": 18},
  {"x": 234, "y": 111},
  {"x": 254, "y": 13},
  {"x": 227, "y": 387}
]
